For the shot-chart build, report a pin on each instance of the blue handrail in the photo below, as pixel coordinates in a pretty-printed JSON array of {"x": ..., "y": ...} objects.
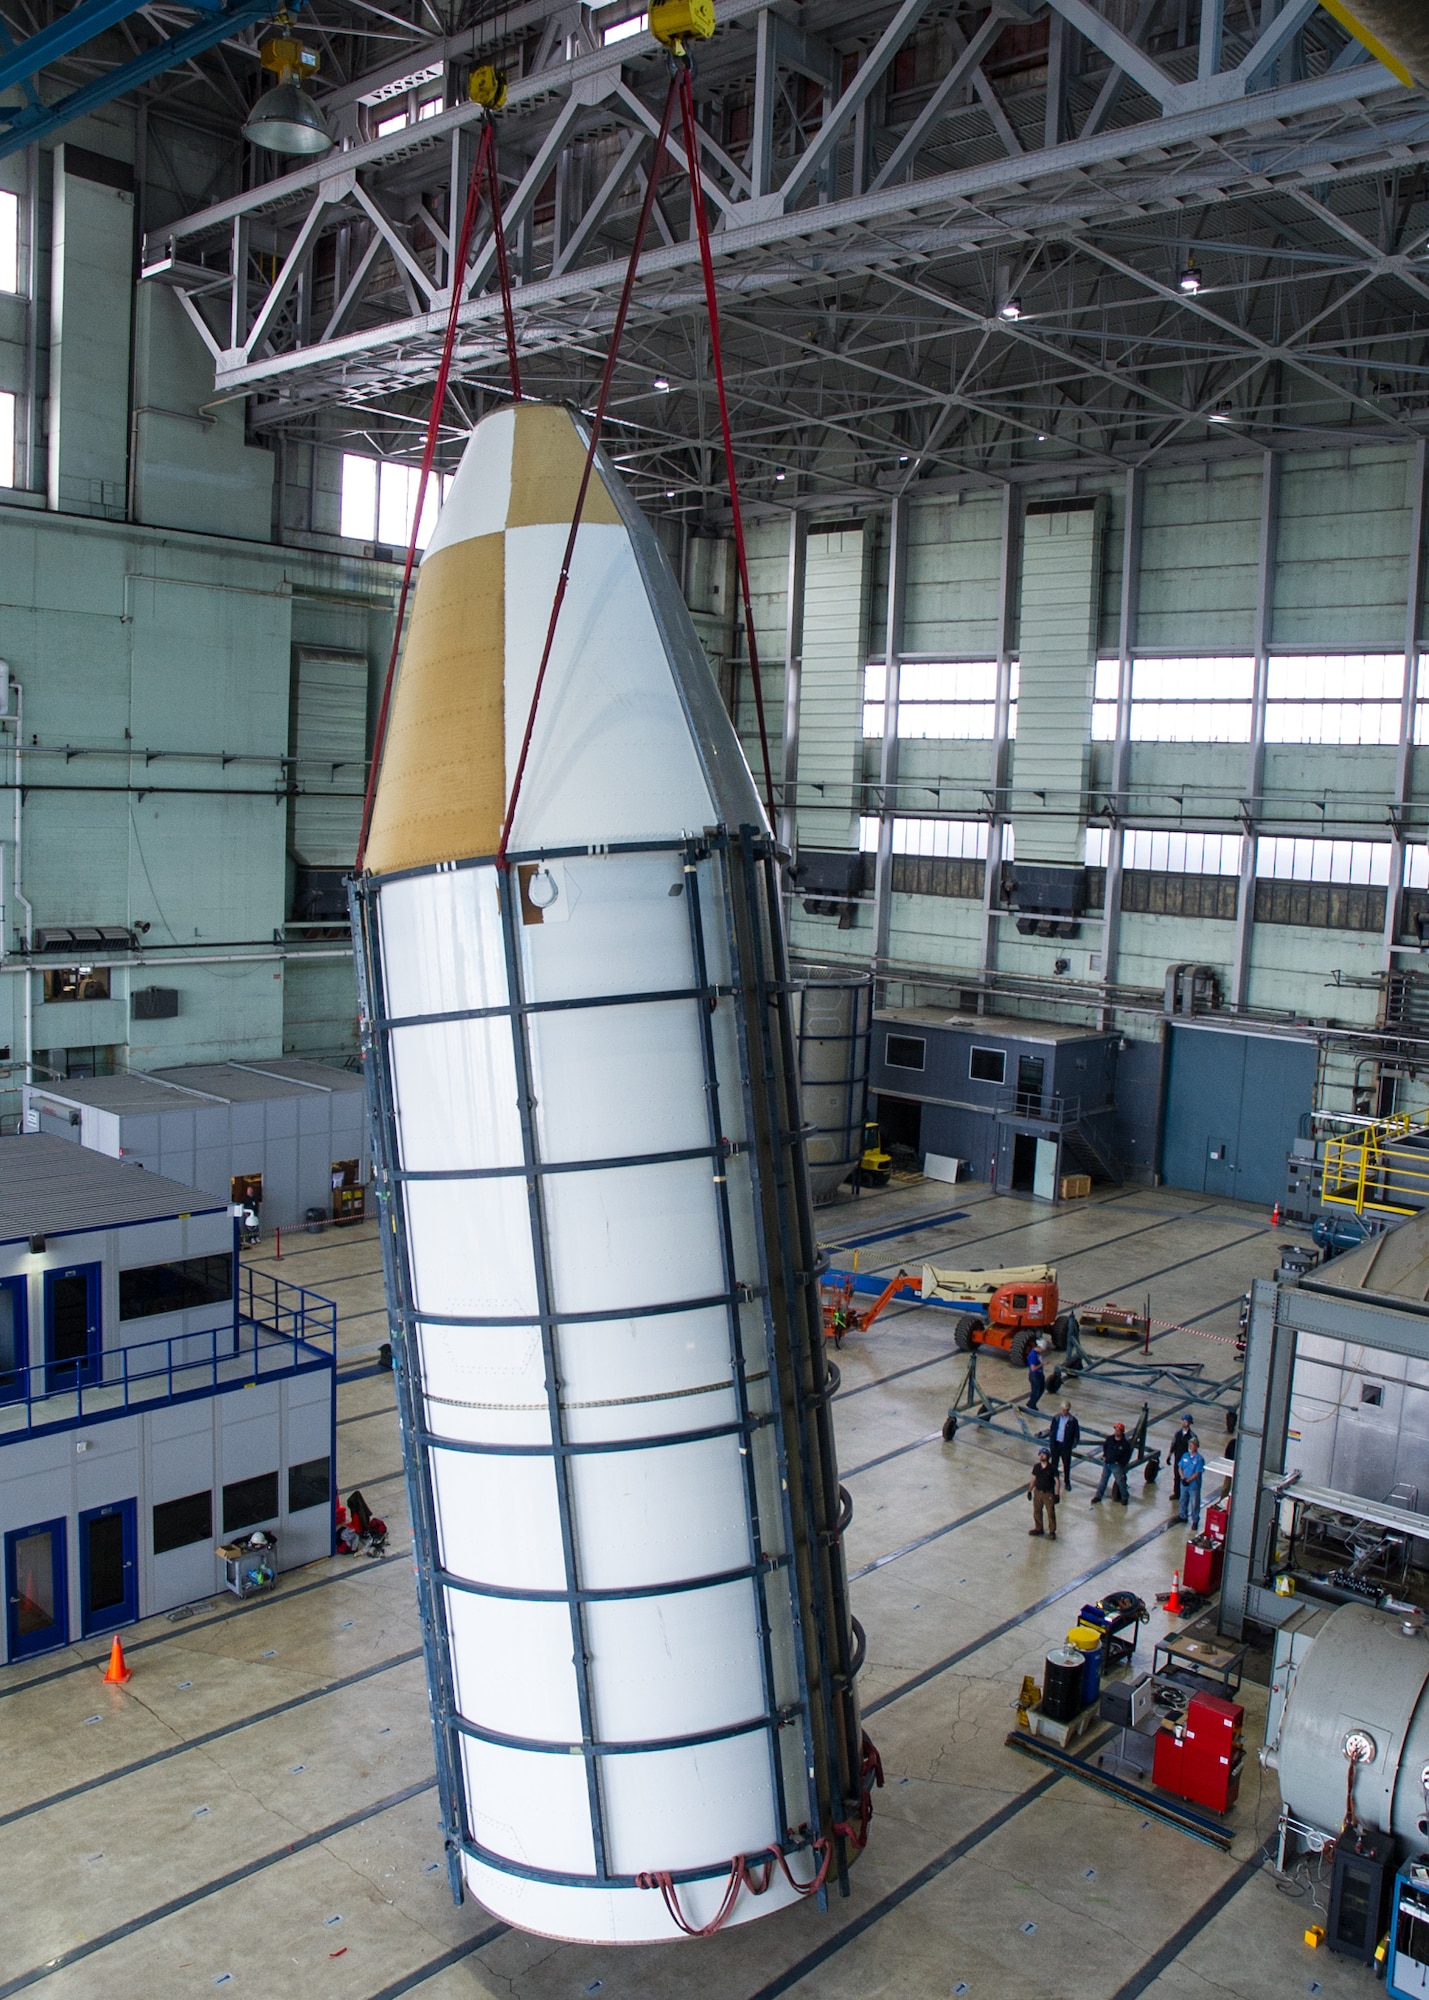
[{"x": 277, "y": 1328}]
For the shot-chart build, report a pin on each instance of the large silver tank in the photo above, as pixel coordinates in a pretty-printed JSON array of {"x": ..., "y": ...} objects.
[
  {"x": 1364, "y": 1677},
  {"x": 833, "y": 1016}
]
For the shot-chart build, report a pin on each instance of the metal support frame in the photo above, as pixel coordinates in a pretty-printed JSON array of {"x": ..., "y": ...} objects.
[
  {"x": 406, "y": 1372},
  {"x": 898, "y": 525},
  {"x": 1404, "y": 754},
  {"x": 1204, "y": 140},
  {"x": 1255, "y": 759},
  {"x": 1279, "y": 1314},
  {"x": 743, "y": 884},
  {"x": 27, "y": 125}
]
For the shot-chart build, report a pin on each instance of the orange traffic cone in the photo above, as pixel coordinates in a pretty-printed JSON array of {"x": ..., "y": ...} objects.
[
  {"x": 1173, "y": 1602},
  {"x": 118, "y": 1669},
  {"x": 1275, "y": 1216}
]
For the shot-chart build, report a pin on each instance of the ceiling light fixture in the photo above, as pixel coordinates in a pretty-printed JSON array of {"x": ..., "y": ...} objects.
[
  {"x": 285, "y": 119},
  {"x": 1221, "y": 414},
  {"x": 1189, "y": 281},
  {"x": 1010, "y": 309},
  {"x": 781, "y": 475},
  {"x": 661, "y": 383}
]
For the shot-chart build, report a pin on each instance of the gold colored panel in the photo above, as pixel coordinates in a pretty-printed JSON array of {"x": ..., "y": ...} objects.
[
  {"x": 547, "y": 459},
  {"x": 441, "y": 792}
]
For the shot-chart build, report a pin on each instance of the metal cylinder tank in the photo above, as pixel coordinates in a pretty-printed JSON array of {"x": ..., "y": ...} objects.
[
  {"x": 1361, "y": 1685},
  {"x": 833, "y": 1013},
  {"x": 598, "y": 1242}
]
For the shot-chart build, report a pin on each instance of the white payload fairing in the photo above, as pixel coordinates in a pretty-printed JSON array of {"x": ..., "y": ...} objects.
[{"x": 600, "y": 1259}]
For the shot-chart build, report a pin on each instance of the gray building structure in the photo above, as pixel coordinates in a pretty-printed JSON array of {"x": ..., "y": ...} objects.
[
  {"x": 295, "y": 1125},
  {"x": 155, "y": 1398}
]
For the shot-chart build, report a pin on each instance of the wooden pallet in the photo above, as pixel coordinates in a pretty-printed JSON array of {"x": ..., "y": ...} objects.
[{"x": 1061, "y": 1733}]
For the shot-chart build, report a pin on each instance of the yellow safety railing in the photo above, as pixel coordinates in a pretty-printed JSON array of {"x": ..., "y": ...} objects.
[{"x": 1366, "y": 1169}]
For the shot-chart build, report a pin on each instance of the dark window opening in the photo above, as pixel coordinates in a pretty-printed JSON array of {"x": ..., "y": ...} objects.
[
  {"x": 77, "y": 982},
  {"x": 1373, "y": 1394},
  {"x": 249, "y": 1503},
  {"x": 151, "y": 1289},
  {"x": 987, "y": 1065},
  {"x": 178, "y": 1523},
  {"x": 906, "y": 1052},
  {"x": 62, "y": 1065},
  {"x": 309, "y": 1485}
]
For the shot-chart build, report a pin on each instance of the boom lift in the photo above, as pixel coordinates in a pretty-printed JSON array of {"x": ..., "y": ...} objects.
[{"x": 1005, "y": 1309}]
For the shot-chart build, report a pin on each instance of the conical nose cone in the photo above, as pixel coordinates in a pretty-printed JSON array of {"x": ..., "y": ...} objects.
[{"x": 443, "y": 786}]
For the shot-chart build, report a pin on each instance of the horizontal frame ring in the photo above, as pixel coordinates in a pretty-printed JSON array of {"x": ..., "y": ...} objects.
[{"x": 615, "y": 1593}]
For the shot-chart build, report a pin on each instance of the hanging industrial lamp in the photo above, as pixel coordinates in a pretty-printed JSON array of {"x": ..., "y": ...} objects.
[
  {"x": 1189, "y": 281},
  {"x": 285, "y": 119}
]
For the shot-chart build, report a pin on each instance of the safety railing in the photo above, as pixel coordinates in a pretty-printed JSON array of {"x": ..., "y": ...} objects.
[
  {"x": 278, "y": 1329},
  {"x": 1377, "y": 1169},
  {"x": 1038, "y": 1104}
]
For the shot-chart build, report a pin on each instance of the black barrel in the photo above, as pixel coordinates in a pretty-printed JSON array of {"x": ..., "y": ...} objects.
[{"x": 1062, "y": 1684}]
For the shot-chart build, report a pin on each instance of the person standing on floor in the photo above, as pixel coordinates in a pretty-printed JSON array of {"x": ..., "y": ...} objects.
[
  {"x": 1066, "y": 1432},
  {"x": 1180, "y": 1444},
  {"x": 1043, "y": 1487},
  {"x": 1191, "y": 1468},
  {"x": 1036, "y": 1376},
  {"x": 1116, "y": 1457}
]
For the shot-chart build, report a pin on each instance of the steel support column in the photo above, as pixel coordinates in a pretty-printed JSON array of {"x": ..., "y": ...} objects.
[
  {"x": 1260, "y": 1449},
  {"x": 1135, "y": 505},
  {"x": 1255, "y": 762},
  {"x": 1008, "y": 571},
  {"x": 793, "y": 669},
  {"x": 1404, "y": 756},
  {"x": 888, "y": 750}
]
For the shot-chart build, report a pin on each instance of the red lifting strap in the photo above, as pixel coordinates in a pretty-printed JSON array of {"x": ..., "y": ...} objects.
[{"x": 485, "y": 162}]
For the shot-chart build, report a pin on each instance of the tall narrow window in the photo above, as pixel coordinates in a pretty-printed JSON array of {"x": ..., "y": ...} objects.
[
  {"x": 7, "y": 438},
  {"x": 379, "y": 498},
  {"x": 9, "y": 241}
]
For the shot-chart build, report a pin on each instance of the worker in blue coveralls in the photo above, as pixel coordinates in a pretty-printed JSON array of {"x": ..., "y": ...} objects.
[
  {"x": 1191, "y": 1469},
  {"x": 1036, "y": 1376}
]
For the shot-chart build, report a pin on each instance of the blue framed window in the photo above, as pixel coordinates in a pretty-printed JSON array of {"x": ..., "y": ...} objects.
[
  {"x": 73, "y": 1329},
  {"x": 14, "y": 1338}
]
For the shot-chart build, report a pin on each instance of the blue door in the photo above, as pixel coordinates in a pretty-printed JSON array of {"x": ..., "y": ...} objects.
[
  {"x": 108, "y": 1573},
  {"x": 72, "y": 1329},
  {"x": 14, "y": 1339},
  {"x": 36, "y": 1590}
]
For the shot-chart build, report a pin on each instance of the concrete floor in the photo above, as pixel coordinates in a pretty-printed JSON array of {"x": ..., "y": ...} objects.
[{"x": 254, "y": 1811}]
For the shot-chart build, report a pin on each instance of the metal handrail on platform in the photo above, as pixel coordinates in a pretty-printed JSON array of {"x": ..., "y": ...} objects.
[{"x": 276, "y": 1329}]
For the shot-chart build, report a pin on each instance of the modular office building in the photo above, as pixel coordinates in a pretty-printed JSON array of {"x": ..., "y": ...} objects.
[
  {"x": 154, "y": 1397},
  {"x": 288, "y": 1135}
]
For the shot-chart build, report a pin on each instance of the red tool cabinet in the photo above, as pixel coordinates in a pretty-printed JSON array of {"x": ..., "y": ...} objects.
[{"x": 1201, "y": 1762}]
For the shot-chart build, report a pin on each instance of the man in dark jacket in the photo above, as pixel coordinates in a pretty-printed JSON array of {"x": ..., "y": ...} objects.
[
  {"x": 1042, "y": 1486},
  {"x": 1116, "y": 1457},
  {"x": 1180, "y": 1445},
  {"x": 1065, "y": 1433}
]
